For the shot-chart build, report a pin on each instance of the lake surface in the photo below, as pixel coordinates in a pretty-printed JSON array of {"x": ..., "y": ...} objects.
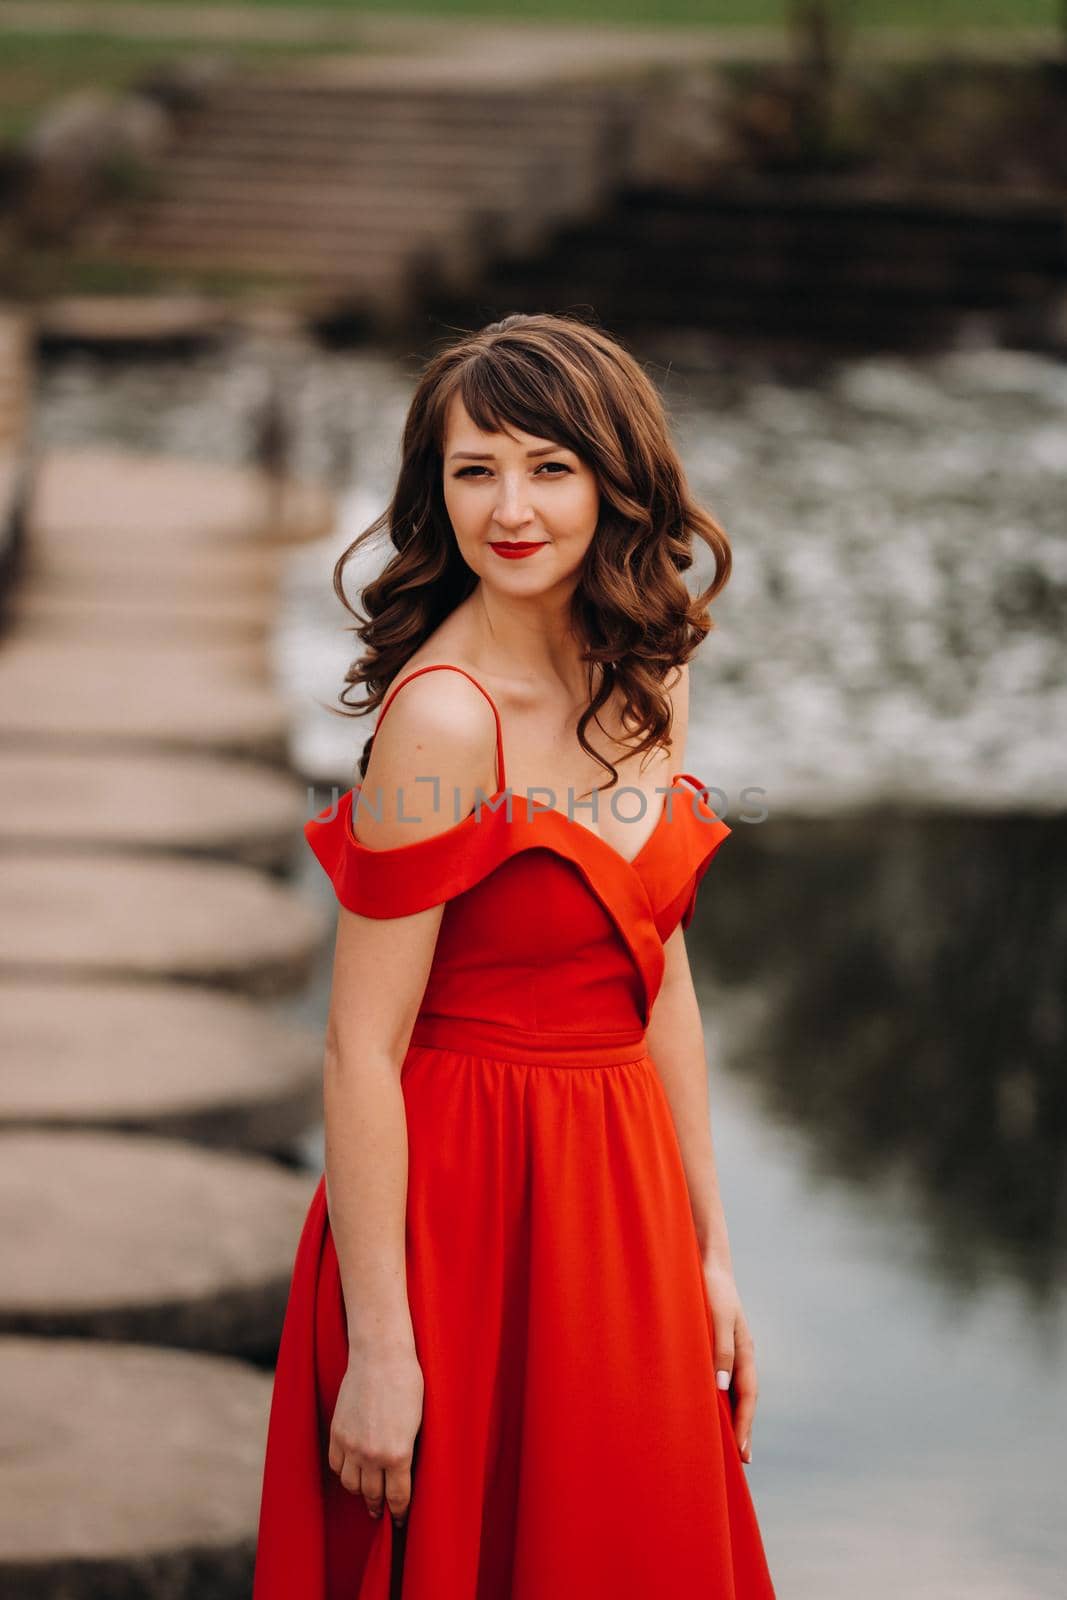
[{"x": 880, "y": 946}]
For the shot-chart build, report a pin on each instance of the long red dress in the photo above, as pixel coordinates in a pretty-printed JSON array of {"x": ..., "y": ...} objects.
[{"x": 573, "y": 1441}]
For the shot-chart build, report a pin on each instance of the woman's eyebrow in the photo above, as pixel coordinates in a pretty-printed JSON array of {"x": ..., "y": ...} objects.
[{"x": 473, "y": 455}]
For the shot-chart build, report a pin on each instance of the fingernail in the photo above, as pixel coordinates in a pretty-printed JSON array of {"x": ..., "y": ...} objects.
[{"x": 722, "y": 1379}]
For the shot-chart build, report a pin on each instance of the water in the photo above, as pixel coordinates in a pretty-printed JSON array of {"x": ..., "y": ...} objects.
[
  {"x": 896, "y": 625},
  {"x": 880, "y": 962}
]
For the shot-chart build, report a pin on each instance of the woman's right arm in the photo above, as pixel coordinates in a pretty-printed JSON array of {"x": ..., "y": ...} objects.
[{"x": 438, "y": 727}]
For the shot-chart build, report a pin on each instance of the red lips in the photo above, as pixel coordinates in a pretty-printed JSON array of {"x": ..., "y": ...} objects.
[{"x": 512, "y": 552}]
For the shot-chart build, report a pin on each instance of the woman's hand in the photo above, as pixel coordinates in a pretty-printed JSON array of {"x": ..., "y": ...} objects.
[
  {"x": 375, "y": 1421},
  {"x": 735, "y": 1351}
]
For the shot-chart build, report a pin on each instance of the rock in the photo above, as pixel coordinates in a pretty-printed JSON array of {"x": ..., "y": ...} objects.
[
  {"x": 128, "y": 1472},
  {"x": 113, "y": 916},
  {"x": 59, "y": 799},
  {"x": 121, "y": 1236},
  {"x": 90, "y": 694},
  {"x": 100, "y": 493},
  {"x": 163, "y": 1058},
  {"x": 76, "y": 151}
]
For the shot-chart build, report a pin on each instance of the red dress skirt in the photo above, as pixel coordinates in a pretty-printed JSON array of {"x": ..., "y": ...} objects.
[{"x": 573, "y": 1441}]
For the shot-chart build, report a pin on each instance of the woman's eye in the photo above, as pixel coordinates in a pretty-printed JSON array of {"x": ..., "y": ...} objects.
[{"x": 561, "y": 467}]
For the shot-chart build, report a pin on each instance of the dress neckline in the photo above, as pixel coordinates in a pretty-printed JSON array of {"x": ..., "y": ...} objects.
[
  {"x": 493, "y": 801},
  {"x": 492, "y": 805}
]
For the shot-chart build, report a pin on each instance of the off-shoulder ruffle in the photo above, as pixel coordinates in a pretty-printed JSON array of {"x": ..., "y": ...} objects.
[{"x": 408, "y": 878}]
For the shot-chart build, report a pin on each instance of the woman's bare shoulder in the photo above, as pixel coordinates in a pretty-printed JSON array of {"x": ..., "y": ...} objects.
[
  {"x": 434, "y": 751},
  {"x": 678, "y": 691}
]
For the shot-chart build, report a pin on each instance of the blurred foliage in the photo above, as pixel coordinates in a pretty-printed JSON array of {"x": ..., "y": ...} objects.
[
  {"x": 948, "y": 119},
  {"x": 37, "y": 68},
  {"x": 38, "y": 272},
  {"x": 723, "y": 13}
]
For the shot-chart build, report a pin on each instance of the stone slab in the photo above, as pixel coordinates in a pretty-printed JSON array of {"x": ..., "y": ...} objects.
[
  {"x": 126, "y": 566},
  {"x": 117, "y": 1236},
  {"x": 128, "y": 1472},
  {"x": 121, "y": 319},
  {"x": 148, "y": 615},
  {"x": 169, "y": 1059},
  {"x": 99, "y": 492},
  {"x": 63, "y": 799},
  {"x": 115, "y": 916},
  {"x": 245, "y": 659},
  {"x": 86, "y": 694}
]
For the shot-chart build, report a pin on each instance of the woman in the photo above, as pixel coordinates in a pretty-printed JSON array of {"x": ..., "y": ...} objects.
[{"x": 514, "y": 1362}]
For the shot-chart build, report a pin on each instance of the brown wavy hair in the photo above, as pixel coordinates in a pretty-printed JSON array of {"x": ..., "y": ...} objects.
[{"x": 561, "y": 379}]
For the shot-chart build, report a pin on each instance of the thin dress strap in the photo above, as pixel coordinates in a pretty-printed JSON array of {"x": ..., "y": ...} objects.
[{"x": 446, "y": 666}]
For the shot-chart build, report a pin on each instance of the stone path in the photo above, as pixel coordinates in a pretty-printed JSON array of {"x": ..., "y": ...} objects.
[
  {"x": 174, "y": 321},
  {"x": 53, "y": 799},
  {"x": 106, "y": 493},
  {"x": 166, "y": 614},
  {"x": 163, "y": 1058},
  {"x": 145, "y": 1477},
  {"x": 371, "y": 182},
  {"x": 154, "y": 917},
  {"x": 127, "y": 1237},
  {"x": 162, "y": 697},
  {"x": 142, "y": 901},
  {"x": 438, "y": 49}
]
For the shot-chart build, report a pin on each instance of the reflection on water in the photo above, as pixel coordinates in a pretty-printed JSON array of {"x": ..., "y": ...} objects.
[
  {"x": 909, "y": 1015},
  {"x": 881, "y": 962}
]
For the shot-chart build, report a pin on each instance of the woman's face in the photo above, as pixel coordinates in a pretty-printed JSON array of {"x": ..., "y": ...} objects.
[{"x": 520, "y": 493}]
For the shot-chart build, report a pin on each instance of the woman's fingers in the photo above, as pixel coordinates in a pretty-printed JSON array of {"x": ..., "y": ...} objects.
[
  {"x": 724, "y": 1349},
  {"x": 398, "y": 1492},
  {"x": 378, "y": 1486},
  {"x": 372, "y": 1489},
  {"x": 746, "y": 1388}
]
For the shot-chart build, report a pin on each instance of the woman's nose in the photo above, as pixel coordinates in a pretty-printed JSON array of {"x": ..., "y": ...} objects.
[{"x": 512, "y": 506}]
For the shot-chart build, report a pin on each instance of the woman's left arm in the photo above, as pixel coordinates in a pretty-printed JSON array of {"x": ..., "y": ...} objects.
[{"x": 676, "y": 1044}]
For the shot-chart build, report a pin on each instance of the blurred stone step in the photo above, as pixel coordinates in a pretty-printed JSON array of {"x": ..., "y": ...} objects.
[
  {"x": 87, "y": 610},
  {"x": 87, "y": 696},
  {"x": 116, "y": 321},
  {"x": 101, "y": 491},
  {"x": 166, "y": 1059},
  {"x": 113, "y": 916},
  {"x": 291, "y": 230},
  {"x": 336, "y": 262},
  {"x": 342, "y": 204},
  {"x": 123, "y": 1236},
  {"x": 128, "y": 1472},
  {"x": 229, "y": 658},
  {"x": 491, "y": 165},
  {"x": 263, "y": 237},
  {"x": 131, "y": 570},
  {"x": 378, "y": 280},
  {"x": 82, "y": 801},
  {"x": 322, "y": 114}
]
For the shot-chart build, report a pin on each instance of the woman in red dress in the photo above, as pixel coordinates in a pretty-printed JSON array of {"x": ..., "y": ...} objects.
[{"x": 514, "y": 1363}]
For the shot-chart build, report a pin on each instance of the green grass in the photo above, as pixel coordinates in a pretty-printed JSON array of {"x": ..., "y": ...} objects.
[
  {"x": 888, "y": 13},
  {"x": 36, "y": 68},
  {"x": 39, "y": 273}
]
